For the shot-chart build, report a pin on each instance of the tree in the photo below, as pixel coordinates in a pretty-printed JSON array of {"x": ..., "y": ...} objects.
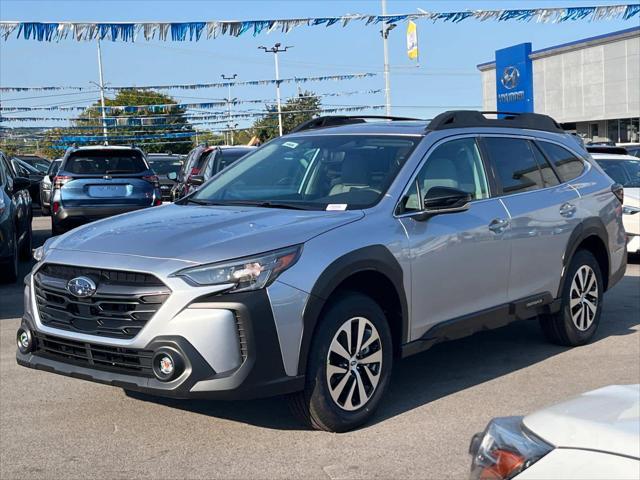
[
  {"x": 295, "y": 111},
  {"x": 147, "y": 122}
]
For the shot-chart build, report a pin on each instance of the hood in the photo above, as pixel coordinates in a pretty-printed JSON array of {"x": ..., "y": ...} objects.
[
  {"x": 632, "y": 197},
  {"x": 607, "y": 419},
  {"x": 202, "y": 234}
]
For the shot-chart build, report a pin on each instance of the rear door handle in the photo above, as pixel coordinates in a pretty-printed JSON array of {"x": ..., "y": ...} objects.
[
  {"x": 568, "y": 210},
  {"x": 498, "y": 225}
]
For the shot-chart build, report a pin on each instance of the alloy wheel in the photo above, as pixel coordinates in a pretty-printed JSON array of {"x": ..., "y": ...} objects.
[
  {"x": 354, "y": 363},
  {"x": 583, "y": 298}
]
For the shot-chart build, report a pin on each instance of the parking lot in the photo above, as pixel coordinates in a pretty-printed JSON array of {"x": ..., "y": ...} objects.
[{"x": 54, "y": 427}]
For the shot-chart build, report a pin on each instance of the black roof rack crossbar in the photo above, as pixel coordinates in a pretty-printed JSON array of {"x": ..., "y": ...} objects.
[
  {"x": 336, "y": 120},
  {"x": 473, "y": 118}
]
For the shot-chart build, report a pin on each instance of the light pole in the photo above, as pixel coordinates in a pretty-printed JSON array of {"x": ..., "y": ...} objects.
[
  {"x": 387, "y": 83},
  {"x": 104, "y": 113},
  {"x": 230, "y": 77},
  {"x": 275, "y": 50}
]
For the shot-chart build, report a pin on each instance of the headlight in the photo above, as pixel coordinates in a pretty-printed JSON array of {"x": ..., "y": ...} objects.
[
  {"x": 505, "y": 449},
  {"x": 38, "y": 253},
  {"x": 627, "y": 210},
  {"x": 250, "y": 273}
]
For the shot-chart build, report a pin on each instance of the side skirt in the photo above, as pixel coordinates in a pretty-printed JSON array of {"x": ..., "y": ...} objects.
[{"x": 489, "y": 319}]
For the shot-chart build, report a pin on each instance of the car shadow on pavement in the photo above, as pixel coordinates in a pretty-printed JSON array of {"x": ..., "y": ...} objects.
[{"x": 443, "y": 370}]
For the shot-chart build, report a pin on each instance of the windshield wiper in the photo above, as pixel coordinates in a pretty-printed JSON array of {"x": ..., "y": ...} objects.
[
  {"x": 199, "y": 202},
  {"x": 268, "y": 204}
]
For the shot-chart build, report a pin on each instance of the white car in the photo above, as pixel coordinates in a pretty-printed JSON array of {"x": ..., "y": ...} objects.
[
  {"x": 625, "y": 170},
  {"x": 595, "y": 435}
]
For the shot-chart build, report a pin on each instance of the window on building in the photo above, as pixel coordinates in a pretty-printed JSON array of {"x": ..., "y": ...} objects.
[
  {"x": 567, "y": 164},
  {"x": 516, "y": 167}
]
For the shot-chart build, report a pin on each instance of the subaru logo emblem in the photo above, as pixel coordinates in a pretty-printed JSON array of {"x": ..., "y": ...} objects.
[
  {"x": 81, "y": 287},
  {"x": 510, "y": 78}
]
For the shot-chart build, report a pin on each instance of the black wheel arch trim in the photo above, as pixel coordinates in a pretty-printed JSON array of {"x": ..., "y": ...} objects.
[
  {"x": 376, "y": 258},
  {"x": 590, "y": 227}
]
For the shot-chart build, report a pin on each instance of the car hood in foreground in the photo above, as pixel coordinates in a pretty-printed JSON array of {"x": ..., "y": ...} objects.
[
  {"x": 202, "y": 234},
  {"x": 607, "y": 419}
]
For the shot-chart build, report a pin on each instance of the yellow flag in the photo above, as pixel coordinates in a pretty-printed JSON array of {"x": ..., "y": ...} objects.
[{"x": 412, "y": 40}]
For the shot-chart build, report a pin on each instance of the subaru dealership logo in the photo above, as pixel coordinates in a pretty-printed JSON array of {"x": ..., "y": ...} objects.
[
  {"x": 81, "y": 287},
  {"x": 510, "y": 78}
]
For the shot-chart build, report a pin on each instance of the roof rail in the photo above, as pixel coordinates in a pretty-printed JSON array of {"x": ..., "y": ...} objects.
[
  {"x": 337, "y": 120},
  {"x": 473, "y": 118}
]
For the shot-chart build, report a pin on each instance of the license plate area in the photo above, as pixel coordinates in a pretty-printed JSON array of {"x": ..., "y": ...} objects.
[{"x": 109, "y": 191}]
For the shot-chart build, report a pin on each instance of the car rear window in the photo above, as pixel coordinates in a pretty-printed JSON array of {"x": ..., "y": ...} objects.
[
  {"x": 165, "y": 166},
  {"x": 104, "y": 162},
  {"x": 567, "y": 164}
]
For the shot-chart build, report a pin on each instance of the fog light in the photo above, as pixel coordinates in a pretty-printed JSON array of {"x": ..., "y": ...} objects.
[
  {"x": 24, "y": 340},
  {"x": 167, "y": 364}
]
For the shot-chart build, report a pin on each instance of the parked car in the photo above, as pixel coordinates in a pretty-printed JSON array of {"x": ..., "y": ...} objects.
[
  {"x": 164, "y": 164},
  {"x": 34, "y": 176},
  {"x": 215, "y": 161},
  {"x": 311, "y": 264},
  {"x": 625, "y": 170},
  {"x": 593, "y": 435},
  {"x": 39, "y": 163},
  {"x": 99, "y": 181},
  {"x": 46, "y": 184},
  {"x": 191, "y": 166},
  {"x": 15, "y": 221}
]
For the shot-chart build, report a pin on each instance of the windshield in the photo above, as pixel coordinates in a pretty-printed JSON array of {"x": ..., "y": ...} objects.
[
  {"x": 336, "y": 172},
  {"x": 624, "y": 172},
  {"x": 164, "y": 166},
  {"x": 103, "y": 162}
]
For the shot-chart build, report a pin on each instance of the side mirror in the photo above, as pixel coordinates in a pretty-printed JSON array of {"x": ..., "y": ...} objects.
[
  {"x": 172, "y": 176},
  {"x": 21, "y": 183},
  {"x": 439, "y": 200},
  {"x": 196, "y": 180}
]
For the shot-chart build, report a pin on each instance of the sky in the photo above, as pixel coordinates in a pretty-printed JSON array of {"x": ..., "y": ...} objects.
[{"x": 446, "y": 77}]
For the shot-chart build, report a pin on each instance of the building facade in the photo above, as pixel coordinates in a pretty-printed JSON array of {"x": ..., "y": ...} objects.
[{"x": 591, "y": 86}]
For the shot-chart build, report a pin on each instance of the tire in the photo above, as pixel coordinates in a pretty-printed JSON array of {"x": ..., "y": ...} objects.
[
  {"x": 345, "y": 409},
  {"x": 26, "y": 246},
  {"x": 45, "y": 211},
  {"x": 9, "y": 271},
  {"x": 576, "y": 322}
]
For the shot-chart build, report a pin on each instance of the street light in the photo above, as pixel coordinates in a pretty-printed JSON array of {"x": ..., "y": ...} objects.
[
  {"x": 229, "y": 100},
  {"x": 275, "y": 50}
]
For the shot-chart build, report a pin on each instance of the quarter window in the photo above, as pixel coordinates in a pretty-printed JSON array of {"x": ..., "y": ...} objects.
[
  {"x": 455, "y": 164},
  {"x": 567, "y": 164},
  {"x": 548, "y": 175},
  {"x": 516, "y": 167}
]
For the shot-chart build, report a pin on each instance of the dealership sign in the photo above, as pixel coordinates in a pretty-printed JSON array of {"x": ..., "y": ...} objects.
[{"x": 514, "y": 79}]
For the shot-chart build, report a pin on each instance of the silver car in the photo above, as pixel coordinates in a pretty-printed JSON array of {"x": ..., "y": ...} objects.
[{"x": 315, "y": 262}]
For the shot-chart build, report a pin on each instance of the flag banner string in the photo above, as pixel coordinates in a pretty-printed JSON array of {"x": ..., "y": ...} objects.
[
  {"x": 197, "y": 86},
  {"x": 199, "y": 30},
  {"x": 176, "y": 106},
  {"x": 131, "y": 120}
]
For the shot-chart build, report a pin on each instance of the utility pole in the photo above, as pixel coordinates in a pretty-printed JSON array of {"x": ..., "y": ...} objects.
[
  {"x": 385, "y": 36},
  {"x": 104, "y": 113},
  {"x": 275, "y": 50},
  {"x": 231, "y": 77}
]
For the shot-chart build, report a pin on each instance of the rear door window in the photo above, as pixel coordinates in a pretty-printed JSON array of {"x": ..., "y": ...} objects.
[
  {"x": 567, "y": 164},
  {"x": 548, "y": 175},
  {"x": 105, "y": 163},
  {"x": 515, "y": 166}
]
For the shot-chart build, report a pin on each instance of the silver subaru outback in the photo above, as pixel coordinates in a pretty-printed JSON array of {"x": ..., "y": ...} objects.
[{"x": 311, "y": 265}]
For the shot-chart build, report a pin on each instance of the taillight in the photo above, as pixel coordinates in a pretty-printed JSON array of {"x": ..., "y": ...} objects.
[
  {"x": 60, "y": 180},
  {"x": 157, "y": 201},
  {"x": 55, "y": 207},
  {"x": 618, "y": 191},
  {"x": 195, "y": 171},
  {"x": 152, "y": 179}
]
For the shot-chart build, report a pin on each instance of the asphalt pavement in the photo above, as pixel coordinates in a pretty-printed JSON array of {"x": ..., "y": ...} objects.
[{"x": 57, "y": 427}]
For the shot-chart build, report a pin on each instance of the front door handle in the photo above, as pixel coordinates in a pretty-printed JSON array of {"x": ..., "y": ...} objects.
[
  {"x": 568, "y": 210},
  {"x": 498, "y": 225}
]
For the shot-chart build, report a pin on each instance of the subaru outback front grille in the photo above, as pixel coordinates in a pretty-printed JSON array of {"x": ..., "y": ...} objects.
[
  {"x": 120, "y": 307},
  {"x": 103, "y": 357}
]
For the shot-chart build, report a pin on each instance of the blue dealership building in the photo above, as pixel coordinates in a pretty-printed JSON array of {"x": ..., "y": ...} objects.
[{"x": 591, "y": 86}]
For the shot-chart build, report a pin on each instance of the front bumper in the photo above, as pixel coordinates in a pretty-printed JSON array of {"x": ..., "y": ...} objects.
[{"x": 230, "y": 345}]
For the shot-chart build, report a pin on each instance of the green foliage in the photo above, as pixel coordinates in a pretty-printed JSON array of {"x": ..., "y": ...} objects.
[
  {"x": 294, "y": 112},
  {"x": 177, "y": 121}
]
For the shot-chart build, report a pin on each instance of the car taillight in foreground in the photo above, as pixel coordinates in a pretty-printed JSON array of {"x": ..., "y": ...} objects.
[
  {"x": 60, "y": 180},
  {"x": 618, "y": 191},
  {"x": 504, "y": 450}
]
